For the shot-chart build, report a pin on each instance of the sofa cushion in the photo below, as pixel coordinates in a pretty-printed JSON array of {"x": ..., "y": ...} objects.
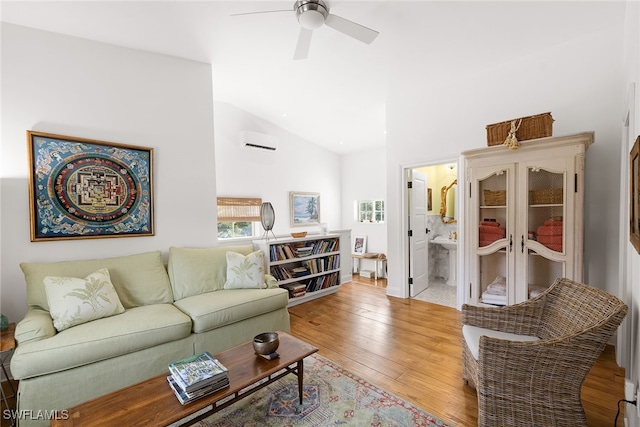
[
  {"x": 212, "y": 310},
  {"x": 194, "y": 271},
  {"x": 472, "y": 336},
  {"x": 245, "y": 271},
  {"x": 139, "y": 279},
  {"x": 73, "y": 301},
  {"x": 135, "y": 329}
]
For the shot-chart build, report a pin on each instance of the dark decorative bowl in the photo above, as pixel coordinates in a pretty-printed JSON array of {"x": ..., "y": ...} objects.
[{"x": 266, "y": 343}]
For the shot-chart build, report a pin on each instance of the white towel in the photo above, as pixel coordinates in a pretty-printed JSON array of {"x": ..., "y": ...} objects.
[
  {"x": 494, "y": 299},
  {"x": 498, "y": 286}
]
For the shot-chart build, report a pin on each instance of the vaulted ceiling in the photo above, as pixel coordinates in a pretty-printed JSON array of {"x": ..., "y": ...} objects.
[{"x": 337, "y": 96}]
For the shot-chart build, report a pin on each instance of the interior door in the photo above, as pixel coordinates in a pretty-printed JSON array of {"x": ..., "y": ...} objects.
[{"x": 418, "y": 243}]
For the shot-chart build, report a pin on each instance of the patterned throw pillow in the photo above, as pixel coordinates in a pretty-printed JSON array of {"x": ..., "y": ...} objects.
[
  {"x": 245, "y": 271},
  {"x": 73, "y": 301}
]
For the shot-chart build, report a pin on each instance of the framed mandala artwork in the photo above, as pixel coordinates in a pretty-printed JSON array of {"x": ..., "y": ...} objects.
[{"x": 81, "y": 188}]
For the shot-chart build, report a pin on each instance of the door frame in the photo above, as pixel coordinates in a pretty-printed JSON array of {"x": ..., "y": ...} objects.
[{"x": 460, "y": 208}]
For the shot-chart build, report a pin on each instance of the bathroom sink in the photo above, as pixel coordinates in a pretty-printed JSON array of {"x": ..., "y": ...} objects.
[
  {"x": 446, "y": 242},
  {"x": 452, "y": 246}
]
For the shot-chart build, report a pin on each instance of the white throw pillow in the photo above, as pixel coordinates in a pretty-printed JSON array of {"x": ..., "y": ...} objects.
[
  {"x": 245, "y": 271},
  {"x": 73, "y": 301}
]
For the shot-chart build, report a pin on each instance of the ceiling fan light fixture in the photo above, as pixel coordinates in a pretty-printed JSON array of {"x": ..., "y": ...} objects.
[
  {"x": 311, "y": 19},
  {"x": 311, "y": 13}
]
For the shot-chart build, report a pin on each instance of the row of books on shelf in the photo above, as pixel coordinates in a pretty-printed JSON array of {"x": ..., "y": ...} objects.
[
  {"x": 197, "y": 376},
  {"x": 306, "y": 267},
  {"x": 299, "y": 289},
  {"x": 303, "y": 249}
]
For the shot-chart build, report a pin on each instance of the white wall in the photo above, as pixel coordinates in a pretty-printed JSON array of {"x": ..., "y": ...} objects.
[
  {"x": 70, "y": 86},
  {"x": 297, "y": 165},
  {"x": 579, "y": 82},
  {"x": 364, "y": 177},
  {"x": 629, "y": 334}
]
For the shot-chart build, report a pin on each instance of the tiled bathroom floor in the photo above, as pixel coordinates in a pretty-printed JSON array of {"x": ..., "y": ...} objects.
[{"x": 439, "y": 292}]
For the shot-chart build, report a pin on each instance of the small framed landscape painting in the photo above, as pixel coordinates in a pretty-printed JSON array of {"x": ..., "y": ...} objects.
[
  {"x": 634, "y": 195},
  {"x": 304, "y": 208},
  {"x": 82, "y": 188}
]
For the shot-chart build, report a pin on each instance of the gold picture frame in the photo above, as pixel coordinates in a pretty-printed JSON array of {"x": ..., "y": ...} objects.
[{"x": 83, "y": 188}]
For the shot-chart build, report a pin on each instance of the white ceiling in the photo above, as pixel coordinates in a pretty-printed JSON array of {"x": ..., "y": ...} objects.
[{"x": 336, "y": 98}]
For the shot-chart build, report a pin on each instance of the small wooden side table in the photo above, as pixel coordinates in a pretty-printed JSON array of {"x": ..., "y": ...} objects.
[
  {"x": 7, "y": 345},
  {"x": 373, "y": 256}
]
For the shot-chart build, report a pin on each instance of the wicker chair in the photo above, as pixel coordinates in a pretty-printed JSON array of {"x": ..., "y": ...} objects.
[{"x": 537, "y": 383}]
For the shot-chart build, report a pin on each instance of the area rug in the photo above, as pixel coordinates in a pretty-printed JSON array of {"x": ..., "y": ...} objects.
[{"x": 333, "y": 396}]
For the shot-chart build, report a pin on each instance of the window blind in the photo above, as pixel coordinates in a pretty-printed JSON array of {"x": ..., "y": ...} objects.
[{"x": 239, "y": 209}]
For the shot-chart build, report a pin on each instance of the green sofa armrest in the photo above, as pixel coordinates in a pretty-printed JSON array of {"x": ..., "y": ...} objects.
[
  {"x": 271, "y": 281},
  {"x": 36, "y": 325}
]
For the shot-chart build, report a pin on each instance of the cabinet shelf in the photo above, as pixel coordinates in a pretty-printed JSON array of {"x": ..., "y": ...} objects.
[
  {"x": 306, "y": 277},
  {"x": 554, "y": 205},
  {"x": 294, "y": 260},
  {"x": 532, "y": 252},
  {"x": 313, "y": 295}
]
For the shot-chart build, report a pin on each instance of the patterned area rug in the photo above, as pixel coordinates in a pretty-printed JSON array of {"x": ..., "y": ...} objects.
[{"x": 332, "y": 396}]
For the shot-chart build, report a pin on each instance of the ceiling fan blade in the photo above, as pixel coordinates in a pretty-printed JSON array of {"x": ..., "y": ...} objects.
[
  {"x": 350, "y": 28},
  {"x": 264, "y": 11},
  {"x": 304, "y": 41}
]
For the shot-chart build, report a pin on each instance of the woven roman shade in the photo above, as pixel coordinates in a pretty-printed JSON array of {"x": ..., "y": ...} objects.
[{"x": 239, "y": 209}]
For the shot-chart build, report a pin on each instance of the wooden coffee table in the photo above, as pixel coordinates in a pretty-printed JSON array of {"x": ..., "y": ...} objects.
[{"x": 152, "y": 402}]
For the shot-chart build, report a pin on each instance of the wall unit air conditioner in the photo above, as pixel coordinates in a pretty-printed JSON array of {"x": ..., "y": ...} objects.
[{"x": 258, "y": 140}]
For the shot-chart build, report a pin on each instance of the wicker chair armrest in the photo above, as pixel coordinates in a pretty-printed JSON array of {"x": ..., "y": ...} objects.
[{"x": 523, "y": 318}]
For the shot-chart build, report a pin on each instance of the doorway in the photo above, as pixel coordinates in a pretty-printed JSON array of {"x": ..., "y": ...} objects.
[{"x": 432, "y": 226}]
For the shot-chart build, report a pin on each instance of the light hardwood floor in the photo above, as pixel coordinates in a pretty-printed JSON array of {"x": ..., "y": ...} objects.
[
  {"x": 5, "y": 421},
  {"x": 413, "y": 349}
]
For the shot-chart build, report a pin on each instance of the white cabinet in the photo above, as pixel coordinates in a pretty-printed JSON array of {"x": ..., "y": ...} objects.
[
  {"x": 523, "y": 223},
  {"x": 308, "y": 267}
]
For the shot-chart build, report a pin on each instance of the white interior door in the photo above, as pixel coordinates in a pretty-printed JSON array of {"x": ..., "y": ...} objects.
[{"x": 418, "y": 243}]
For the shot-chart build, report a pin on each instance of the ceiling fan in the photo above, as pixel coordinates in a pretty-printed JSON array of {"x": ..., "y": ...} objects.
[{"x": 312, "y": 14}]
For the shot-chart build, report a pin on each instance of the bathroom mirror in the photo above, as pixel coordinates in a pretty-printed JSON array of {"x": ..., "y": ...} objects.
[{"x": 448, "y": 202}]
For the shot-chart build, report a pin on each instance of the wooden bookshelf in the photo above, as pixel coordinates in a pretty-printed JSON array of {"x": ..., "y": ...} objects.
[{"x": 311, "y": 263}]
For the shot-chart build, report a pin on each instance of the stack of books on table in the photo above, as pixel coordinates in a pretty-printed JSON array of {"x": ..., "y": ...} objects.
[{"x": 197, "y": 376}]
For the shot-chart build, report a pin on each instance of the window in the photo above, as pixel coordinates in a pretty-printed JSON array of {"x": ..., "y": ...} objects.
[
  {"x": 378, "y": 210},
  {"x": 237, "y": 217},
  {"x": 370, "y": 210}
]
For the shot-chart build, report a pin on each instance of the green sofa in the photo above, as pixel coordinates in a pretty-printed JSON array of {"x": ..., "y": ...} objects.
[{"x": 170, "y": 312}]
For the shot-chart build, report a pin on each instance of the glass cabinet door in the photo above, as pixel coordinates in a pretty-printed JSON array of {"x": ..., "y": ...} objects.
[
  {"x": 542, "y": 237},
  {"x": 493, "y": 240}
]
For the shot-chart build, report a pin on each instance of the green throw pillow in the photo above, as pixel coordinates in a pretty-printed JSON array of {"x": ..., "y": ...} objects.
[
  {"x": 245, "y": 271},
  {"x": 73, "y": 301}
]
